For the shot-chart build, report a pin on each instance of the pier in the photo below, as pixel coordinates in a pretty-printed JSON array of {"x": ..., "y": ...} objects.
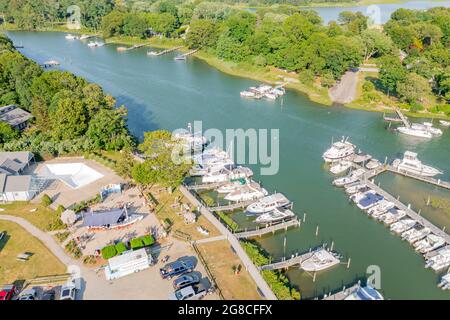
[
  {"x": 344, "y": 293},
  {"x": 206, "y": 186},
  {"x": 136, "y": 46},
  {"x": 430, "y": 180},
  {"x": 268, "y": 229},
  {"x": 185, "y": 55},
  {"x": 160, "y": 53},
  {"x": 233, "y": 206}
]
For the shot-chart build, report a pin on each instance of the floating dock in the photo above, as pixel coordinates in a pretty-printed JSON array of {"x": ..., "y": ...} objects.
[
  {"x": 160, "y": 53},
  {"x": 268, "y": 229}
]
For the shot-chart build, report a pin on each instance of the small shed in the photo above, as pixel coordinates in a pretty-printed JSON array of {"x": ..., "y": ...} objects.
[{"x": 189, "y": 217}]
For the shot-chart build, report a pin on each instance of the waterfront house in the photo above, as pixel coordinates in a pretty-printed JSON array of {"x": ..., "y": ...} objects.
[
  {"x": 15, "y": 116},
  {"x": 16, "y": 188},
  {"x": 13, "y": 163}
]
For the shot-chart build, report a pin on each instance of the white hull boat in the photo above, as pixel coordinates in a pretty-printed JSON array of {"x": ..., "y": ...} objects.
[
  {"x": 339, "y": 151},
  {"x": 360, "y": 195},
  {"x": 225, "y": 175},
  {"x": 369, "y": 200},
  {"x": 274, "y": 216},
  {"x": 444, "y": 123},
  {"x": 320, "y": 260},
  {"x": 247, "y": 192},
  {"x": 268, "y": 204},
  {"x": 382, "y": 207},
  {"x": 232, "y": 186},
  {"x": 434, "y": 131},
  {"x": 430, "y": 243},
  {"x": 373, "y": 164},
  {"x": 419, "y": 133},
  {"x": 402, "y": 225},
  {"x": 94, "y": 44},
  {"x": 414, "y": 234},
  {"x": 444, "y": 284},
  {"x": 439, "y": 261},
  {"x": 411, "y": 164},
  {"x": 356, "y": 188},
  {"x": 71, "y": 37},
  {"x": 340, "y": 167},
  {"x": 352, "y": 178},
  {"x": 392, "y": 216}
]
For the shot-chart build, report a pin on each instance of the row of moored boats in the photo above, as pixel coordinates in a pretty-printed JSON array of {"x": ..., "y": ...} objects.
[{"x": 264, "y": 91}]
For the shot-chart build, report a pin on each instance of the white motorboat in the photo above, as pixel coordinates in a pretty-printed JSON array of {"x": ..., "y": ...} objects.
[
  {"x": 340, "y": 167},
  {"x": 268, "y": 204},
  {"x": 415, "y": 234},
  {"x": 369, "y": 200},
  {"x": 411, "y": 164},
  {"x": 276, "y": 215},
  {"x": 382, "y": 207},
  {"x": 430, "y": 243},
  {"x": 320, "y": 260},
  {"x": 419, "y": 132},
  {"x": 352, "y": 178},
  {"x": 444, "y": 284},
  {"x": 248, "y": 94},
  {"x": 402, "y": 225},
  {"x": 434, "y": 131},
  {"x": 366, "y": 293},
  {"x": 152, "y": 53},
  {"x": 251, "y": 191},
  {"x": 338, "y": 151},
  {"x": 373, "y": 164},
  {"x": 71, "y": 37},
  {"x": 270, "y": 95},
  {"x": 232, "y": 186},
  {"x": 225, "y": 175},
  {"x": 361, "y": 158},
  {"x": 94, "y": 44},
  {"x": 201, "y": 170},
  {"x": 196, "y": 140},
  {"x": 352, "y": 189},
  {"x": 444, "y": 123},
  {"x": 360, "y": 195},
  {"x": 391, "y": 216},
  {"x": 439, "y": 261}
]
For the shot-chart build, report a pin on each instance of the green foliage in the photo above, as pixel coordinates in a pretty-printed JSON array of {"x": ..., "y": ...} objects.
[
  {"x": 136, "y": 243},
  {"x": 7, "y": 133},
  {"x": 108, "y": 252},
  {"x": 73, "y": 249},
  {"x": 414, "y": 88},
  {"x": 62, "y": 236},
  {"x": 46, "y": 200},
  {"x": 147, "y": 240},
  {"x": 228, "y": 221},
  {"x": 121, "y": 247}
]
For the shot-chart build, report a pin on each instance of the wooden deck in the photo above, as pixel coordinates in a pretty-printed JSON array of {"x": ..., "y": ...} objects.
[
  {"x": 430, "y": 180},
  {"x": 160, "y": 53},
  {"x": 268, "y": 229},
  {"x": 233, "y": 206}
]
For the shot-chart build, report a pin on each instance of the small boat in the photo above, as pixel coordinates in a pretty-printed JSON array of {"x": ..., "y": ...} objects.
[
  {"x": 444, "y": 123},
  {"x": 411, "y": 164},
  {"x": 180, "y": 58},
  {"x": 274, "y": 216},
  {"x": 430, "y": 243},
  {"x": 338, "y": 151},
  {"x": 419, "y": 132},
  {"x": 402, "y": 225},
  {"x": 246, "y": 192},
  {"x": 369, "y": 200},
  {"x": 360, "y": 195},
  {"x": 320, "y": 260},
  {"x": 340, "y": 167},
  {"x": 85, "y": 36},
  {"x": 434, "y": 131},
  {"x": 352, "y": 189},
  {"x": 440, "y": 260},
  {"x": 95, "y": 44},
  {"x": 360, "y": 158},
  {"x": 232, "y": 186},
  {"x": 366, "y": 293},
  {"x": 352, "y": 178},
  {"x": 71, "y": 37},
  {"x": 444, "y": 284},
  {"x": 204, "y": 169},
  {"x": 269, "y": 203},
  {"x": 373, "y": 164},
  {"x": 382, "y": 207},
  {"x": 248, "y": 94},
  {"x": 415, "y": 234},
  {"x": 270, "y": 96},
  {"x": 225, "y": 175},
  {"x": 152, "y": 53},
  {"x": 202, "y": 230},
  {"x": 391, "y": 216}
]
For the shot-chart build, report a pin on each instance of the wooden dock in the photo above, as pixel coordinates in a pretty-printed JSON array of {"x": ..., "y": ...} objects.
[
  {"x": 233, "y": 206},
  {"x": 185, "y": 55},
  {"x": 136, "y": 46},
  {"x": 409, "y": 212},
  {"x": 268, "y": 229},
  {"x": 430, "y": 180},
  {"x": 160, "y": 53},
  {"x": 205, "y": 186}
]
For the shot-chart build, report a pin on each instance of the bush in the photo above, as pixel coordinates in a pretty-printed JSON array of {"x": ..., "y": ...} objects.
[
  {"x": 46, "y": 200},
  {"x": 60, "y": 209},
  {"x": 73, "y": 249},
  {"x": 121, "y": 247},
  {"x": 368, "y": 86},
  {"x": 136, "y": 243},
  {"x": 108, "y": 252},
  {"x": 62, "y": 236},
  {"x": 228, "y": 221},
  {"x": 57, "y": 224},
  {"x": 148, "y": 240},
  {"x": 90, "y": 259}
]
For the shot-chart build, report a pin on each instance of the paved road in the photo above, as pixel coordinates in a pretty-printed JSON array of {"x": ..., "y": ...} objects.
[
  {"x": 345, "y": 91},
  {"x": 248, "y": 264}
]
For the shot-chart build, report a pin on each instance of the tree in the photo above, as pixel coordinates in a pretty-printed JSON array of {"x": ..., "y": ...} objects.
[
  {"x": 125, "y": 163},
  {"x": 202, "y": 33},
  {"x": 414, "y": 88},
  {"x": 7, "y": 133},
  {"x": 391, "y": 73},
  {"x": 112, "y": 24},
  {"x": 375, "y": 43},
  {"x": 69, "y": 121},
  {"x": 135, "y": 25},
  {"x": 298, "y": 28}
]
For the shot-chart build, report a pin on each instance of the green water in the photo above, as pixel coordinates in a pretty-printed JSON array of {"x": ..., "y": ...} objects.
[{"x": 162, "y": 93}]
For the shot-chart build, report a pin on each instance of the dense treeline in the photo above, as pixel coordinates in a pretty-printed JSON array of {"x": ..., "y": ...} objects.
[{"x": 70, "y": 114}]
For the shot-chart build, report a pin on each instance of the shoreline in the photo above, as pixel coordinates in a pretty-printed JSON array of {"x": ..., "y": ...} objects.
[{"x": 267, "y": 74}]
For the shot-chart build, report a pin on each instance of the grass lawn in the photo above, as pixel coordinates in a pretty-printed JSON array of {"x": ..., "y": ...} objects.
[
  {"x": 18, "y": 240},
  {"x": 165, "y": 211},
  {"x": 41, "y": 218},
  {"x": 221, "y": 261}
]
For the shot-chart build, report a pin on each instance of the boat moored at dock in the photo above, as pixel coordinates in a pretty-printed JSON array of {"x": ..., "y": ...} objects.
[
  {"x": 338, "y": 151},
  {"x": 391, "y": 216},
  {"x": 444, "y": 284},
  {"x": 275, "y": 216},
  {"x": 340, "y": 167},
  {"x": 250, "y": 191},
  {"x": 440, "y": 260},
  {"x": 320, "y": 260},
  {"x": 382, "y": 207},
  {"x": 429, "y": 243},
  {"x": 403, "y": 225},
  {"x": 411, "y": 164},
  {"x": 365, "y": 293},
  {"x": 416, "y": 233},
  {"x": 417, "y": 131},
  {"x": 444, "y": 123},
  {"x": 225, "y": 175},
  {"x": 71, "y": 37},
  {"x": 268, "y": 203}
]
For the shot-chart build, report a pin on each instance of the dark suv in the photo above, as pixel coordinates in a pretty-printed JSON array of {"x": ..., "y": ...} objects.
[
  {"x": 185, "y": 280},
  {"x": 176, "y": 268}
]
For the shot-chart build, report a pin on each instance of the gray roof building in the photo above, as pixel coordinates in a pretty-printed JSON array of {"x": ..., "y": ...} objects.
[
  {"x": 15, "y": 116},
  {"x": 14, "y": 162},
  {"x": 104, "y": 218}
]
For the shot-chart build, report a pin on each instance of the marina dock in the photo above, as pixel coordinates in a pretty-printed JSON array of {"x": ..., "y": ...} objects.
[
  {"x": 166, "y": 51},
  {"x": 185, "y": 55},
  {"x": 136, "y": 46},
  {"x": 233, "y": 206},
  {"x": 344, "y": 293},
  {"x": 205, "y": 186},
  {"x": 429, "y": 180},
  {"x": 268, "y": 229}
]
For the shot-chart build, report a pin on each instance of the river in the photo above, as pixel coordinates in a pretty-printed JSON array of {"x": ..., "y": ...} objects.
[{"x": 162, "y": 93}]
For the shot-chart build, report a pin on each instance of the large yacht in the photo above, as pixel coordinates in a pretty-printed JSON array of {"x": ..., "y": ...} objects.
[
  {"x": 268, "y": 204},
  {"x": 339, "y": 150},
  {"x": 276, "y": 215},
  {"x": 251, "y": 191},
  {"x": 382, "y": 207},
  {"x": 340, "y": 167},
  {"x": 411, "y": 164},
  {"x": 444, "y": 284},
  {"x": 225, "y": 175},
  {"x": 232, "y": 185},
  {"x": 319, "y": 260},
  {"x": 365, "y": 293}
]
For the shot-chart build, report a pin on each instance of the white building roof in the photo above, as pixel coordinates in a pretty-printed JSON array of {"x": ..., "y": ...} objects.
[{"x": 128, "y": 257}]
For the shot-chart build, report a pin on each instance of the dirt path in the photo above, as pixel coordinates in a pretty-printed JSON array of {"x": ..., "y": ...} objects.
[{"x": 345, "y": 91}]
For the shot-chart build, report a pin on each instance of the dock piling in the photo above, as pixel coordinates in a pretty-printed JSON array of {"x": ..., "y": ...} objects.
[{"x": 348, "y": 262}]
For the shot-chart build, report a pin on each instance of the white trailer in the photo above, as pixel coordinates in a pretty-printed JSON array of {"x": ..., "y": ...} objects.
[{"x": 127, "y": 263}]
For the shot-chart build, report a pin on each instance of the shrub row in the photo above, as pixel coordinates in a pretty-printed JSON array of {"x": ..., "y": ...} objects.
[{"x": 111, "y": 251}]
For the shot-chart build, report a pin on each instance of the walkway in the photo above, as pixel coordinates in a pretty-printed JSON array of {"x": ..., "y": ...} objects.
[
  {"x": 269, "y": 229},
  {"x": 345, "y": 90},
  {"x": 248, "y": 264}
]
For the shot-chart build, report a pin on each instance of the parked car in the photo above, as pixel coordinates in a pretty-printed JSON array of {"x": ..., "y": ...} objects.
[
  {"x": 68, "y": 292},
  {"x": 29, "y": 294},
  {"x": 48, "y": 295},
  {"x": 185, "y": 280},
  {"x": 195, "y": 292},
  {"x": 7, "y": 292},
  {"x": 176, "y": 268}
]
